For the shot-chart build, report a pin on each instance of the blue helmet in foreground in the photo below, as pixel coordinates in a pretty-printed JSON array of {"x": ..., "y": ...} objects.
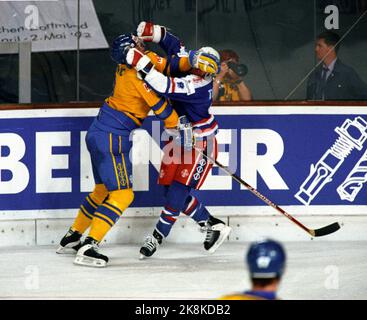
[
  {"x": 120, "y": 47},
  {"x": 266, "y": 259}
]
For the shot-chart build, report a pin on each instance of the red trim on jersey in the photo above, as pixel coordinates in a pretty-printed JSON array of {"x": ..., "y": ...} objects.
[
  {"x": 199, "y": 132},
  {"x": 212, "y": 126},
  {"x": 173, "y": 86},
  {"x": 202, "y": 121}
]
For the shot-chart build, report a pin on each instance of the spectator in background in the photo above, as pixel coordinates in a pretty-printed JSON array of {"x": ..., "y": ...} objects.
[
  {"x": 228, "y": 84},
  {"x": 266, "y": 262},
  {"x": 332, "y": 79}
]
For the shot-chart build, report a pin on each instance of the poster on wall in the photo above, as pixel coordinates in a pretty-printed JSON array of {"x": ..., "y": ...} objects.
[{"x": 51, "y": 25}]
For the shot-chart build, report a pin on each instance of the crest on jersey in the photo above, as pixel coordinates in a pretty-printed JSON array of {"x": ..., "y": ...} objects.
[{"x": 184, "y": 173}]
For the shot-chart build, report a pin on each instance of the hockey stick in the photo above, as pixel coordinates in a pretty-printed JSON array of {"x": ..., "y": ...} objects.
[{"x": 313, "y": 232}]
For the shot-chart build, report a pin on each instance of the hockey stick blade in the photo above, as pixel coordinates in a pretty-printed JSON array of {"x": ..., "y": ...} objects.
[{"x": 326, "y": 230}]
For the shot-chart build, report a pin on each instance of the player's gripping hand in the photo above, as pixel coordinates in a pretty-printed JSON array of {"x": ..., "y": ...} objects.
[
  {"x": 149, "y": 32},
  {"x": 204, "y": 61},
  {"x": 139, "y": 61}
]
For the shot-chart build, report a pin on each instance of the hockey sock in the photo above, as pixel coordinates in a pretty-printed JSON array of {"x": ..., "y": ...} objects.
[
  {"x": 176, "y": 196},
  {"x": 166, "y": 220},
  {"x": 88, "y": 207},
  {"x": 107, "y": 214},
  {"x": 196, "y": 210}
]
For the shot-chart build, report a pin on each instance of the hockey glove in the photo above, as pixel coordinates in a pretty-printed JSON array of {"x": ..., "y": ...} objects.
[
  {"x": 186, "y": 136},
  {"x": 150, "y": 32},
  {"x": 204, "y": 62},
  {"x": 139, "y": 61}
]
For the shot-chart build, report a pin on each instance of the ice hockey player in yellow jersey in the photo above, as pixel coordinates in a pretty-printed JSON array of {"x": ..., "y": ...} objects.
[{"x": 109, "y": 146}]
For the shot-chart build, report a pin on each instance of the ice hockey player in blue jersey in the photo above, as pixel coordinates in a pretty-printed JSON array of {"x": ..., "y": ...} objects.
[
  {"x": 266, "y": 261},
  {"x": 186, "y": 170}
]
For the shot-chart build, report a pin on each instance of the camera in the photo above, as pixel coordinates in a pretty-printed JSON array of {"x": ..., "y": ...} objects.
[{"x": 239, "y": 69}]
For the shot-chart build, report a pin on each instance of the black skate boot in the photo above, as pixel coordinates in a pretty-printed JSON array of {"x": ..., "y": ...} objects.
[
  {"x": 216, "y": 233},
  {"x": 202, "y": 226},
  {"x": 150, "y": 245},
  {"x": 88, "y": 255},
  {"x": 70, "y": 243}
]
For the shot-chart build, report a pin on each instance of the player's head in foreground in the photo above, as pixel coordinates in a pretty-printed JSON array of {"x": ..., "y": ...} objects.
[{"x": 266, "y": 261}]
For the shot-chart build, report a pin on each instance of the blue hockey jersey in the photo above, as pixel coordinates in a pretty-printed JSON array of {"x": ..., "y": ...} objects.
[{"x": 191, "y": 95}]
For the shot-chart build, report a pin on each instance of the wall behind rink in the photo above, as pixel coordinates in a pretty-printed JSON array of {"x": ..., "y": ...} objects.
[{"x": 312, "y": 161}]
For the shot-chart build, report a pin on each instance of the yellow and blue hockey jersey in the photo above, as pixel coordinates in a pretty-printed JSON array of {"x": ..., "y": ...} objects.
[{"x": 134, "y": 98}]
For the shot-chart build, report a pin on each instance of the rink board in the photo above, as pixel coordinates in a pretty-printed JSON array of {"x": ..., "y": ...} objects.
[{"x": 45, "y": 169}]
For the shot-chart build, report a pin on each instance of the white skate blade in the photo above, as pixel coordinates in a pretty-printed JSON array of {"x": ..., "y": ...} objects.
[
  {"x": 223, "y": 235},
  {"x": 142, "y": 257},
  {"x": 68, "y": 249},
  {"x": 89, "y": 262},
  {"x": 65, "y": 250}
]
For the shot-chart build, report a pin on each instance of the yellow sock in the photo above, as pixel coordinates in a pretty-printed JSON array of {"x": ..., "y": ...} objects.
[
  {"x": 88, "y": 207},
  {"x": 81, "y": 222},
  {"x": 109, "y": 212},
  {"x": 99, "y": 229}
]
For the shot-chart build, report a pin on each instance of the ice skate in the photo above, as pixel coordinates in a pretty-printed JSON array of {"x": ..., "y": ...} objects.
[
  {"x": 70, "y": 243},
  {"x": 88, "y": 255},
  {"x": 150, "y": 245},
  {"x": 202, "y": 226},
  {"x": 216, "y": 233}
]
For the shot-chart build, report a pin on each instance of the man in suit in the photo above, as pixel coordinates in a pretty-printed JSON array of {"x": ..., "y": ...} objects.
[{"x": 332, "y": 79}]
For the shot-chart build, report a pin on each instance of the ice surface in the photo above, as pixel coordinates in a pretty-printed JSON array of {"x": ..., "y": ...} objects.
[{"x": 315, "y": 270}]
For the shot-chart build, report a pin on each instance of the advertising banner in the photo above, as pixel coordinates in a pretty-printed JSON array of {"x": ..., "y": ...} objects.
[{"x": 294, "y": 156}]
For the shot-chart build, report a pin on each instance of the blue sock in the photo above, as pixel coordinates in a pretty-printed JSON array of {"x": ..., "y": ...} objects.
[
  {"x": 196, "y": 210},
  {"x": 175, "y": 202}
]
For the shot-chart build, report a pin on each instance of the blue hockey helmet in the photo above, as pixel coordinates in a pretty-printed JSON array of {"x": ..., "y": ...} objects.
[
  {"x": 266, "y": 259},
  {"x": 121, "y": 45}
]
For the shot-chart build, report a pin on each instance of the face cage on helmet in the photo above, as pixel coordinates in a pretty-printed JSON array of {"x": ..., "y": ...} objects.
[
  {"x": 215, "y": 58},
  {"x": 127, "y": 47}
]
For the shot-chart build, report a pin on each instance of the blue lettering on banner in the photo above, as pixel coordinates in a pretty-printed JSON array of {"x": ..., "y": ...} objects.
[{"x": 292, "y": 159}]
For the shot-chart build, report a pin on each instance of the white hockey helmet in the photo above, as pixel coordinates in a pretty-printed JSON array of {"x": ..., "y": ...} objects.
[{"x": 214, "y": 55}]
